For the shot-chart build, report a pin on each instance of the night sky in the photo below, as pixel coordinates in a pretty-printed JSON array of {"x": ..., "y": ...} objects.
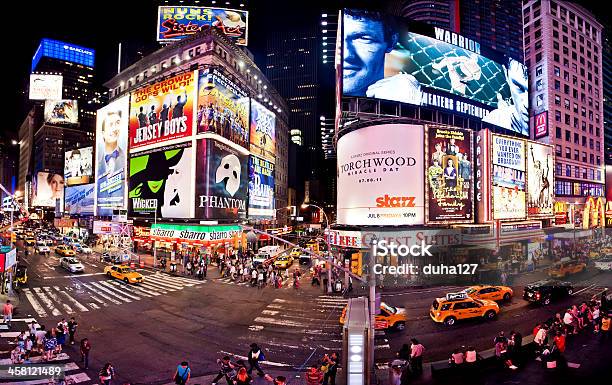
[{"x": 102, "y": 25}]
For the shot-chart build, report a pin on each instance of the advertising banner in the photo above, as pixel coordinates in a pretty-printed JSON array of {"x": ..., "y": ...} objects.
[
  {"x": 540, "y": 184},
  {"x": 408, "y": 62},
  {"x": 65, "y": 222},
  {"x": 221, "y": 181},
  {"x": 78, "y": 166},
  {"x": 263, "y": 131},
  {"x": 541, "y": 125},
  {"x": 261, "y": 188},
  {"x": 380, "y": 176},
  {"x": 160, "y": 182},
  {"x": 162, "y": 111},
  {"x": 508, "y": 159},
  {"x": 47, "y": 188},
  {"x": 176, "y": 23},
  {"x": 449, "y": 175},
  {"x": 79, "y": 200},
  {"x": 8, "y": 258},
  {"x": 111, "y": 156},
  {"x": 43, "y": 87},
  {"x": 482, "y": 176},
  {"x": 107, "y": 227},
  {"x": 61, "y": 112},
  {"x": 223, "y": 108},
  {"x": 190, "y": 233}
]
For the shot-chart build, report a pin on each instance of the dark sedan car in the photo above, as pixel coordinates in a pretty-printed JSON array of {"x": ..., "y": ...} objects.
[{"x": 546, "y": 291}]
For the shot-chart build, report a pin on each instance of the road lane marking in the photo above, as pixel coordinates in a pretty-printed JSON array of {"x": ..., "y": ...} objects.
[
  {"x": 48, "y": 303},
  {"x": 151, "y": 287},
  {"x": 271, "y": 363},
  {"x": 72, "y": 300},
  {"x": 256, "y": 328},
  {"x": 134, "y": 289},
  {"x": 38, "y": 360},
  {"x": 110, "y": 286},
  {"x": 162, "y": 283},
  {"x": 93, "y": 306},
  {"x": 270, "y": 312},
  {"x": 178, "y": 280},
  {"x": 57, "y": 299},
  {"x": 74, "y": 276},
  {"x": 35, "y": 304},
  {"x": 97, "y": 300},
  {"x": 98, "y": 292},
  {"x": 103, "y": 288},
  {"x": 586, "y": 288},
  {"x": 272, "y": 321}
]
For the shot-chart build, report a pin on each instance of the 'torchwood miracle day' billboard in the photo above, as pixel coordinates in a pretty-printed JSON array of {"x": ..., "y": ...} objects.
[
  {"x": 261, "y": 187},
  {"x": 380, "y": 176},
  {"x": 449, "y": 174},
  {"x": 163, "y": 111}
]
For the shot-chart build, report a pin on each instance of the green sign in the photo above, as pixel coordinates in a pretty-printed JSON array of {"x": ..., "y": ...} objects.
[{"x": 196, "y": 233}]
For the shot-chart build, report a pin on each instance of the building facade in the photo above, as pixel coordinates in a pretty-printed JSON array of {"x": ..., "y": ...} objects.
[{"x": 563, "y": 51}]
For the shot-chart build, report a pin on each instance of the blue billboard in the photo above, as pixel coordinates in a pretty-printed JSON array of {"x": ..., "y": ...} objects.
[
  {"x": 63, "y": 51},
  {"x": 261, "y": 188},
  {"x": 79, "y": 200}
]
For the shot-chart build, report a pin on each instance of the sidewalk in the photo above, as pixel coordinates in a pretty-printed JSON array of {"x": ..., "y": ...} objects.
[{"x": 293, "y": 378}]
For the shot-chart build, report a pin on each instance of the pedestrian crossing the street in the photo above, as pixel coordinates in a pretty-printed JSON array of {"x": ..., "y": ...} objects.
[
  {"x": 286, "y": 283},
  {"x": 86, "y": 296},
  {"x": 73, "y": 372}
]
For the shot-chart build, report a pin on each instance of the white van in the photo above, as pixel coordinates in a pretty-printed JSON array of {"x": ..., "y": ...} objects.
[{"x": 269, "y": 250}]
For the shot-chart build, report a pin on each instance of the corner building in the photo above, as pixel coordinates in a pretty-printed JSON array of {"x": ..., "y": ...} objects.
[{"x": 563, "y": 51}]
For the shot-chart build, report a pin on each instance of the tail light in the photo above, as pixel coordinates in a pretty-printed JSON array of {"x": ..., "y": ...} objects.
[{"x": 538, "y": 296}]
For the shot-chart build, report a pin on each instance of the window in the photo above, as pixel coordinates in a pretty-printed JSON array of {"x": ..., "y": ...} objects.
[
  {"x": 558, "y": 150},
  {"x": 568, "y": 153},
  {"x": 558, "y": 168},
  {"x": 567, "y": 119},
  {"x": 576, "y": 155},
  {"x": 555, "y": 56},
  {"x": 591, "y": 144},
  {"x": 591, "y": 158},
  {"x": 568, "y": 170},
  {"x": 539, "y": 100},
  {"x": 584, "y": 158},
  {"x": 597, "y": 146},
  {"x": 583, "y": 141},
  {"x": 557, "y": 71},
  {"x": 557, "y": 100},
  {"x": 577, "y": 171},
  {"x": 538, "y": 56},
  {"x": 566, "y": 89},
  {"x": 576, "y": 108},
  {"x": 584, "y": 173},
  {"x": 557, "y": 85},
  {"x": 566, "y": 76},
  {"x": 566, "y": 103},
  {"x": 539, "y": 70},
  {"x": 568, "y": 136},
  {"x": 557, "y": 116},
  {"x": 598, "y": 161},
  {"x": 558, "y": 132},
  {"x": 576, "y": 138},
  {"x": 583, "y": 126}
]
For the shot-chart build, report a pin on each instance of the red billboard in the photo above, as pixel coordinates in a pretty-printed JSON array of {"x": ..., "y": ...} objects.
[{"x": 541, "y": 125}]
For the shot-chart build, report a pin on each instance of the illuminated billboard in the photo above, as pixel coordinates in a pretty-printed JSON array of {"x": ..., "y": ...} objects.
[
  {"x": 263, "y": 131},
  {"x": 160, "y": 182},
  {"x": 380, "y": 176},
  {"x": 541, "y": 125},
  {"x": 43, "y": 87},
  {"x": 540, "y": 185},
  {"x": 47, "y": 188},
  {"x": 221, "y": 181},
  {"x": 223, "y": 108},
  {"x": 61, "y": 111},
  {"x": 79, "y": 200},
  {"x": 64, "y": 51},
  {"x": 111, "y": 156},
  {"x": 176, "y": 23},
  {"x": 389, "y": 58},
  {"x": 449, "y": 173},
  {"x": 261, "y": 188},
  {"x": 508, "y": 162},
  {"x": 162, "y": 111},
  {"x": 78, "y": 166}
]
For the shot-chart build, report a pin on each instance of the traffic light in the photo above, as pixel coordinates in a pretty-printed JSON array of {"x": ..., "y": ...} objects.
[
  {"x": 356, "y": 266},
  {"x": 13, "y": 237}
]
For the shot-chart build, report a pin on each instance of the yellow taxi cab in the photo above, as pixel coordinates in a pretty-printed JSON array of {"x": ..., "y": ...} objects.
[
  {"x": 30, "y": 241},
  {"x": 313, "y": 245},
  {"x": 390, "y": 317},
  {"x": 493, "y": 293},
  {"x": 123, "y": 273},
  {"x": 283, "y": 262},
  {"x": 458, "y": 306},
  {"x": 295, "y": 253},
  {"x": 64, "y": 251},
  {"x": 566, "y": 267}
]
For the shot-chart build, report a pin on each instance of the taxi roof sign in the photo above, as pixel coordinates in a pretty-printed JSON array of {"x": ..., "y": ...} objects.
[{"x": 456, "y": 296}]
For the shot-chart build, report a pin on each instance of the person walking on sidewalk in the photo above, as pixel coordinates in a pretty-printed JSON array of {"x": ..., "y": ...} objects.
[
  {"x": 331, "y": 362},
  {"x": 416, "y": 356},
  {"x": 72, "y": 328},
  {"x": 227, "y": 371},
  {"x": 182, "y": 373},
  {"x": 7, "y": 312},
  {"x": 605, "y": 327},
  {"x": 243, "y": 378},
  {"x": 255, "y": 356},
  {"x": 85, "y": 348},
  {"x": 106, "y": 374}
]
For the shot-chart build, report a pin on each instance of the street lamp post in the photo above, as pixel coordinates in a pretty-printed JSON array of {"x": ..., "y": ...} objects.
[{"x": 329, "y": 269}]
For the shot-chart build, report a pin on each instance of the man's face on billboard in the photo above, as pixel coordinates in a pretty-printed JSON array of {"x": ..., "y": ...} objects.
[
  {"x": 518, "y": 88},
  {"x": 112, "y": 124},
  {"x": 364, "y": 54}
]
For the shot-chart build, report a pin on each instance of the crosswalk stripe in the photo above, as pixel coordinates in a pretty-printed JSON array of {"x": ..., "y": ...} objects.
[
  {"x": 9, "y": 334},
  {"x": 155, "y": 288},
  {"x": 106, "y": 290},
  {"x": 129, "y": 288},
  {"x": 46, "y": 301},
  {"x": 93, "y": 306},
  {"x": 98, "y": 300},
  {"x": 179, "y": 280},
  {"x": 98, "y": 292},
  {"x": 169, "y": 281},
  {"x": 160, "y": 282},
  {"x": 58, "y": 300},
  {"x": 35, "y": 304},
  {"x": 110, "y": 286},
  {"x": 272, "y": 321},
  {"x": 72, "y": 300},
  {"x": 38, "y": 359}
]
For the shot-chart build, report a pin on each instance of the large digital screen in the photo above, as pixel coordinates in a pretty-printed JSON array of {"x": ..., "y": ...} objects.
[
  {"x": 78, "y": 166},
  {"x": 111, "y": 156},
  {"x": 449, "y": 175},
  {"x": 380, "y": 176},
  {"x": 61, "y": 111},
  {"x": 162, "y": 111},
  {"x": 64, "y": 51},
  {"x": 390, "y": 58},
  {"x": 160, "y": 182},
  {"x": 79, "y": 200},
  {"x": 223, "y": 108},
  {"x": 176, "y": 23},
  {"x": 263, "y": 131},
  {"x": 508, "y": 161},
  {"x": 540, "y": 186},
  {"x": 221, "y": 181},
  {"x": 261, "y": 188},
  {"x": 43, "y": 87},
  {"x": 47, "y": 188}
]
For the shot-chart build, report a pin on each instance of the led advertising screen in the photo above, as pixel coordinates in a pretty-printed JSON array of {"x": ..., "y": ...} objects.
[
  {"x": 111, "y": 156},
  {"x": 78, "y": 166},
  {"x": 380, "y": 176},
  {"x": 541, "y": 125},
  {"x": 162, "y": 111},
  {"x": 540, "y": 185},
  {"x": 223, "y": 108},
  {"x": 221, "y": 181},
  {"x": 263, "y": 131},
  {"x": 449, "y": 175},
  {"x": 176, "y": 23},
  {"x": 508, "y": 160},
  {"x": 43, "y": 87},
  {"x": 160, "y": 182},
  {"x": 47, "y": 188},
  {"x": 61, "y": 112},
  {"x": 392, "y": 59},
  {"x": 79, "y": 200},
  {"x": 261, "y": 188}
]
